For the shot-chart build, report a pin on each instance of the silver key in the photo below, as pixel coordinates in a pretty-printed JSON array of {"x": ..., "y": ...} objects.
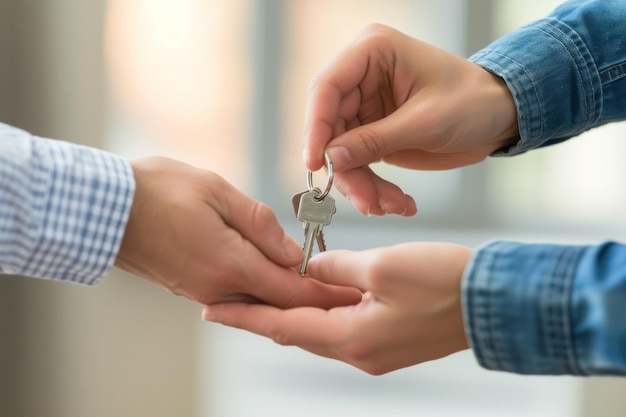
[
  {"x": 315, "y": 214},
  {"x": 321, "y": 243},
  {"x": 295, "y": 201}
]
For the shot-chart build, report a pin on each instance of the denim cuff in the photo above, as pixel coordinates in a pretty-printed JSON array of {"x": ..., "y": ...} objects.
[
  {"x": 553, "y": 79},
  {"x": 516, "y": 305}
]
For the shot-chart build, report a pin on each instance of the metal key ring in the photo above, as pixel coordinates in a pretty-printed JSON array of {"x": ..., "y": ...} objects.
[{"x": 331, "y": 175}]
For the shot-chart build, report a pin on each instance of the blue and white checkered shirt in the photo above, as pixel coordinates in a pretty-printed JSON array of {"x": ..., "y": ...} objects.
[{"x": 63, "y": 207}]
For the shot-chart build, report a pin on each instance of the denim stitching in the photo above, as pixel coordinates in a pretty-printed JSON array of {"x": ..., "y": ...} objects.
[
  {"x": 613, "y": 73},
  {"x": 581, "y": 55},
  {"x": 568, "y": 282},
  {"x": 583, "y": 60},
  {"x": 525, "y": 94},
  {"x": 556, "y": 300},
  {"x": 495, "y": 348}
]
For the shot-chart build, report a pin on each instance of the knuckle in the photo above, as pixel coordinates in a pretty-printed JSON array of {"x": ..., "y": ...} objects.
[
  {"x": 354, "y": 345},
  {"x": 213, "y": 179},
  {"x": 362, "y": 355},
  {"x": 374, "y": 370},
  {"x": 362, "y": 358},
  {"x": 361, "y": 352},
  {"x": 212, "y": 184},
  {"x": 373, "y": 143},
  {"x": 289, "y": 301},
  {"x": 378, "y": 37},
  {"x": 375, "y": 30},
  {"x": 377, "y": 272},
  {"x": 356, "y": 352},
  {"x": 281, "y": 338},
  {"x": 223, "y": 277},
  {"x": 227, "y": 273},
  {"x": 316, "y": 81},
  {"x": 262, "y": 217}
]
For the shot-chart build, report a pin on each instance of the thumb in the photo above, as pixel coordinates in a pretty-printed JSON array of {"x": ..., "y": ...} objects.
[
  {"x": 341, "y": 267},
  {"x": 373, "y": 141}
]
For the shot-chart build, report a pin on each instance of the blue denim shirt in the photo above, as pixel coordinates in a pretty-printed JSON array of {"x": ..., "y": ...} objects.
[{"x": 543, "y": 308}]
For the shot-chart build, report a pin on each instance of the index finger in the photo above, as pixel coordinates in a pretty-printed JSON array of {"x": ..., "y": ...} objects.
[{"x": 326, "y": 94}]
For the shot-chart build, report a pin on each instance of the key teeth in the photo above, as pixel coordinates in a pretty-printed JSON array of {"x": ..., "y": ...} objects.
[
  {"x": 321, "y": 243},
  {"x": 314, "y": 214}
]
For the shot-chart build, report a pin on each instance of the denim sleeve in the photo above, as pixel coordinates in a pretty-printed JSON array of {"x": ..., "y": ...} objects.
[
  {"x": 547, "y": 309},
  {"x": 567, "y": 72},
  {"x": 63, "y": 207}
]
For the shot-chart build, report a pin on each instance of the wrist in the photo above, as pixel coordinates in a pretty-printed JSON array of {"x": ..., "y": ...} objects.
[
  {"x": 505, "y": 109},
  {"x": 504, "y": 112}
]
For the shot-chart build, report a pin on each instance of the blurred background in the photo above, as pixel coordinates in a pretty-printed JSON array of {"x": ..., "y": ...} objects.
[{"x": 222, "y": 84}]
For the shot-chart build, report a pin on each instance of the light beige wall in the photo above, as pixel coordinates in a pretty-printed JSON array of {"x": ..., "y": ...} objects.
[
  {"x": 604, "y": 396},
  {"x": 125, "y": 347}
]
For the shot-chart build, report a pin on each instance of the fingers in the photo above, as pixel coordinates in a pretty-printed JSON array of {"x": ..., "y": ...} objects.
[
  {"x": 412, "y": 313},
  {"x": 341, "y": 334},
  {"x": 333, "y": 95},
  {"x": 372, "y": 195},
  {"x": 352, "y": 151},
  {"x": 294, "y": 327},
  {"x": 256, "y": 253},
  {"x": 250, "y": 272},
  {"x": 365, "y": 82},
  {"x": 257, "y": 223},
  {"x": 309, "y": 292}
]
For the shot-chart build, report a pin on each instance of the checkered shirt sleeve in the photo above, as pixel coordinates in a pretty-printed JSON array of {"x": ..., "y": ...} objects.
[{"x": 63, "y": 207}]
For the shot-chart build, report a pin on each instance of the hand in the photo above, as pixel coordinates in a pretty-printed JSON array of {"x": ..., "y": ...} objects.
[
  {"x": 391, "y": 97},
  {"x": 410, "y": 313},
  {"x": 196, "y": 235}
]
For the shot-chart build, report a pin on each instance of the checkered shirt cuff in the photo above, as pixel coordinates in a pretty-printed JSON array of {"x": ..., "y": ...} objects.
[{"x": 63, "y": 207}]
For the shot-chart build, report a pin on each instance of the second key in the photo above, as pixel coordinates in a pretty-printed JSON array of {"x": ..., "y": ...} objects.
[{"x": 315, "y": 213}]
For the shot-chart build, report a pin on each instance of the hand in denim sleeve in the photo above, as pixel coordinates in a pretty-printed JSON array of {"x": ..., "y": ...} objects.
[
  {"x": 526, "y": 308},
  {"x": 547, "y": 309},
  {"x": 393, "y": 98},
  {"x": 552, "y": 309},
  {"x": 567, "y": 72}
]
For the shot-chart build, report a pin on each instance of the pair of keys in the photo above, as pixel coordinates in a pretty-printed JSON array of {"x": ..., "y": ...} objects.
[{"x": 315, "y": 209}]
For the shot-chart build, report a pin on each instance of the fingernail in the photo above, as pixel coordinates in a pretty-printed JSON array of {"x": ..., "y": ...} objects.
[
  {"x": 386, "y": 207},
  {"x": 389, "y": 208},
  {"x": 410, "y": 206},
  {"x": 367, "y": 212},
  {"x": 340, "y": 156},
  {"x": 209, "y": 315},
  {"x": 361, "y": 206}
]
